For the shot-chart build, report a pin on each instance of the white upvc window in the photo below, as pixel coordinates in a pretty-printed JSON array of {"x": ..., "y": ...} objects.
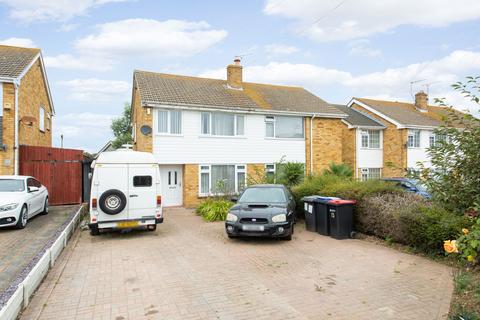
[
  {"x": 41, "y": 119},
  {"x": 284, "y": 127},
  {"x": 222, "y": 124},
  {"x": 435, "y": 138},
  {"x": 370, "y": 173},
  {"x": 222, "y": 179},
  {"x": 169, "y": 121},
  {"x": 370, "y": 139},
  {"x": 413, "y": 140},
  {"x": 270, "y": 170}
]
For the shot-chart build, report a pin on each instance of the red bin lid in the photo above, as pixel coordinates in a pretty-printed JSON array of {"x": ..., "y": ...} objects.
[{"x": 342, "y": 201}]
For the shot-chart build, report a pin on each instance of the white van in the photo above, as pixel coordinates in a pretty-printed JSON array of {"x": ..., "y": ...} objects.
[{"x": 126, "y": 191}]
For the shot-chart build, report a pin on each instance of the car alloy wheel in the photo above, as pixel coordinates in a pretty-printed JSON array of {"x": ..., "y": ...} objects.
[{"x": 22, "y": 218}]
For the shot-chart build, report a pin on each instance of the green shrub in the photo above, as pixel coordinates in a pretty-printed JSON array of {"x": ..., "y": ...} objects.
[
  {"x": 214, "y": 209},
  {"x": 290, "y": 173},
  {"x": 341, "y": 170}
]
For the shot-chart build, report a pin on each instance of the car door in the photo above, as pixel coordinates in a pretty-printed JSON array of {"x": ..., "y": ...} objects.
[
  {"x": 33, "y": 197},
  {"x": 143, "y": 181}
]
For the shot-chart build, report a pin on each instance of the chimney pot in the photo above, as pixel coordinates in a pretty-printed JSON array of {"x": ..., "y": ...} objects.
[
  {"x": 421, "y": 101},
  {"x": 235, "y": 74}
]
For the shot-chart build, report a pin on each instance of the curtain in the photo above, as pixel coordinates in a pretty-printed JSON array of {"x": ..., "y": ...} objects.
[
  {"x": 205, "y": 123},
  {"x": 162, "y": 121},
  {"x": 175, "y": 122},
  {"x": 223, "y": 178},
  {"x": 223, "y": 124},
  {"x": 289, "y": 127},
  {"x": 240, "y": 125}
]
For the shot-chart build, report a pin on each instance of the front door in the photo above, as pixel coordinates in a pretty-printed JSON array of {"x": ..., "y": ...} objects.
[{"x": 172, "y": 192}]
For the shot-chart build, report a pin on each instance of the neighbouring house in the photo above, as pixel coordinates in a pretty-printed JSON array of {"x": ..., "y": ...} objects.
[
  {"x": 210, "y": 135},
  {"x": 26, "y": 107},
  {"x": 407, "y": 134},
  {"x": 362, "y": 143}
]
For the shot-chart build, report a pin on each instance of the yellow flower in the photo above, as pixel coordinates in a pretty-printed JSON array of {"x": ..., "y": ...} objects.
[
  {"x": 450, "y": 246},
  {"x": 465, "y": 231},
  {"x": 470, "y": 258}
]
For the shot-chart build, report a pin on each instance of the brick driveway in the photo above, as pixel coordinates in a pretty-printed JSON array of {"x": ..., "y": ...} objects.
[
  {"x": 189, "y": 269},
  {"x": 18, "y": 247}
]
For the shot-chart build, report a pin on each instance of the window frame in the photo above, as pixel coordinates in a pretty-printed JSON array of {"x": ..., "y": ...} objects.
[
  {"x": 366, "y": 174},
  {"x": 210, "y": 124},
  {"x": 368, "y": 133},
  {"x": 41, "y": 118},
  {"x": 143, "y": 185},
  {"x": 169, "y": 122},
  {"x": 207, "y": 168},
  {"x": 272, "y": 119},
  {"x": 416, "y": 141}
]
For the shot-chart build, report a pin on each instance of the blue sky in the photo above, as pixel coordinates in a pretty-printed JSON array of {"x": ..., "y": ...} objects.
[{"x": 335, "y": 48}]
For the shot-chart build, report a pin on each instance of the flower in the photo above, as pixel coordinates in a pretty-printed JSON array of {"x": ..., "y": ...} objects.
[
  {"x": 470, "y": 258},
  {"x": 450, "y": 246},
  {"x": 465, "y": 231}
]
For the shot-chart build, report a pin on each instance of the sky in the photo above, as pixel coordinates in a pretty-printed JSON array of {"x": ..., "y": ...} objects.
[{"x": 337, "y": 49}]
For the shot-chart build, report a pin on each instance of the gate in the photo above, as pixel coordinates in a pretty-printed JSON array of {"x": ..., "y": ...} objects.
[{"x": 60, "y": 170}]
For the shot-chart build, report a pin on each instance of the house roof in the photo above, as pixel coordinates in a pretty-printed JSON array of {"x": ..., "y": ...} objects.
[
  {"x": 14, "y": 60},
  {"x": 358, "y": 119},
  {"x": 168, "y": 89},
  {"x": 407, "y": 114}
]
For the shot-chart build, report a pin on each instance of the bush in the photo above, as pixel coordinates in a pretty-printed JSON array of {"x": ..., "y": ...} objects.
[
  {"x": 290, "y": 173},
  {"x": 214, "y": 209},
  {"x": 341, "y": 170}
]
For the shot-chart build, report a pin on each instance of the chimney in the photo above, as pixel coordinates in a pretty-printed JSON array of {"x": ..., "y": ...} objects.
[
  {"x": 421, "y": 101},
  {"x": 234, "y": 74}
]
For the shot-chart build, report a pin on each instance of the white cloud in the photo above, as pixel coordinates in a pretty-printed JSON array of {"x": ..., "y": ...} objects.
[
  {"x": 47, "y": 10},
  {"x": 393, "y": 82},
  {"x": 69, "y": 62},
  {"x": 148, "y": 37},
  {"x": 277, "y": 49},
  {"x": 96, "y": 90},
  {"x": 67, "y": 27},
  {"x": 18, "y": 42},
  {"x": 83, "y": 128},
  {"x": 345, "y": 20},
  {"x": 361, "y": 47}
]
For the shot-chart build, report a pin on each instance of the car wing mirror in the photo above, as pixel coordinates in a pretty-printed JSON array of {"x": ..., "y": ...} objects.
[
  {"x": 33, "y": 189},
  {"x": 234, "y": 199}
]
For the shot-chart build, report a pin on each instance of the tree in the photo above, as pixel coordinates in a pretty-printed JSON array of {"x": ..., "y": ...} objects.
[
  {"x": 454, "y": 178},
  {"x": 122, "y": 128}
]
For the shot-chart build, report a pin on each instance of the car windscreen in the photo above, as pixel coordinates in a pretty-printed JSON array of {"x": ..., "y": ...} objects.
[
  {"x": 12, "y": 185},
  {"x": 268, "y": 195}
]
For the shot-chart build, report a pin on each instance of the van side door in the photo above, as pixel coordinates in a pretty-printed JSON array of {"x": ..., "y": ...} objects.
[{"x": 143, "y": 182}]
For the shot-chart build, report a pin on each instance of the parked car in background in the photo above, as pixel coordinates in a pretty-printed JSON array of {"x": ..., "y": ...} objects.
[
  {"x": 410, "y": 185},
  {"x": 21, "y": 198},
  {"x": 262, "y": 211},
  {"x": 126, "y": 191}
]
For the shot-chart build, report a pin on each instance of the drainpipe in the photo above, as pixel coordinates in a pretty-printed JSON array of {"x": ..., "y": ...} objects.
[
  {"x": 311, "y": 144},
  {"x": 16, "y": 84}
]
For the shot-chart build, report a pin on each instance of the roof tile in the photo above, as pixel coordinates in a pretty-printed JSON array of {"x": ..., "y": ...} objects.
[{"x": 13, "y": 60}]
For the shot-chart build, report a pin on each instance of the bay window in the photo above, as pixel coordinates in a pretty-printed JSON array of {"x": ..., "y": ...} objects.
[
  {"x": 222, "y": 124},
  {"x": 284, "y": 127},
  {"x": 370, "y": 139},
  {"x": 169, "y": 121},
  {"x": 222, "y": 179}
]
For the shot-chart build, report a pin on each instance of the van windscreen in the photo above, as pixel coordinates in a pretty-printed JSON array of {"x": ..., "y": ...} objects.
[{"x": 142, "y": 181}]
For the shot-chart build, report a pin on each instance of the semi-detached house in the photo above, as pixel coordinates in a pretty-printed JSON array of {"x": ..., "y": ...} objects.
[{"x": 203, "y": 131}]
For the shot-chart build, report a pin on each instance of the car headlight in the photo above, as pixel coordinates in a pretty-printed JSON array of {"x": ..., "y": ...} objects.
[
  {"x": 231, "y": 217},
  {"x": 9, "y": 207},
  {"x": 279, "y": 218}
]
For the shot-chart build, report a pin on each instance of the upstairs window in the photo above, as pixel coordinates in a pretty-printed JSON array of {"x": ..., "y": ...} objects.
[
  {"x": 222, "y": 124},
  {"x": 284, "y": 127},
  {"x": 41, "y": 119},
  {"x": 435, "y": 139},
  {"x": 169, "y": 121},
  {"x": 413, "y": 140},
  {"x": 371, "y": 139}
]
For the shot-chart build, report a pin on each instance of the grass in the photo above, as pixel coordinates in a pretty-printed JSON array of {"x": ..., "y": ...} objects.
[{"x": 466, "y": 296}]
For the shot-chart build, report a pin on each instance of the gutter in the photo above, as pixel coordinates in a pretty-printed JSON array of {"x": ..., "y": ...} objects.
[
  {"x": 16, "y": 84},
  {"x": 311, "y": 144}
]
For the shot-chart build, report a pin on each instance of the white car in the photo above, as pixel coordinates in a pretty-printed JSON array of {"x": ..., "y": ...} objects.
[
  {"x": 21, "y": 198},
  {"x": 126, "y": 191}
]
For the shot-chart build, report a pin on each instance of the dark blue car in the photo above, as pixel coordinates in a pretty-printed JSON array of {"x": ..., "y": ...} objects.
[{"x": 411, "y": 185}]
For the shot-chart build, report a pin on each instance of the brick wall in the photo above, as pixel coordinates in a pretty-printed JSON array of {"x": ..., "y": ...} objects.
[
  {"x": 255, "y": 173},
  {"x": 327, "y": 143},
  {"x": 349, "y": 145},
  {"x": 141, "y": 116},
  {"x": 7, "y": 156},
  {"x": 394, "y": 150},
  {"x": 190, "y": 186}
]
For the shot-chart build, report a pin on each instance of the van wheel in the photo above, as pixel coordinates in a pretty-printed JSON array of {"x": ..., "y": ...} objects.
[{"x": 113, "y": 201}]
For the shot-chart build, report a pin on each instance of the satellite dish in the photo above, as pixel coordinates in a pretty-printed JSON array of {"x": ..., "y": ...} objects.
[{"x": 146, "y": 130}]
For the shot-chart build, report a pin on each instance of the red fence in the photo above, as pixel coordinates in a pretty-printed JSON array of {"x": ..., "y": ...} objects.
[{"x": 60, "y": 170}]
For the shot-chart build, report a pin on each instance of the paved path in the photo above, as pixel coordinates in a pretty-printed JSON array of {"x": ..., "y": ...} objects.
[
  {"x": 18, "y": 247},
  {"x": 189, "y": 269}
]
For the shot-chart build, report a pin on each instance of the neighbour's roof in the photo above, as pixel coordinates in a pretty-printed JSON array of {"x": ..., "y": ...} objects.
[
  {"x": 358, "y": 119},
  {"x": 407, "y": 114},
  {"x": 14, "y": 60},
  {"x": 168, "y": 89},
  {"x": 124, "y": 156}
]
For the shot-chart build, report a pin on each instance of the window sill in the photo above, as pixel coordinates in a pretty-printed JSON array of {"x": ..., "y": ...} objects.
[
  {"x": 221, "y": 137},
  {"x": 286, "y": 139},
  {"x": 168, "y": 135},
  {"x": 362, "y": 148}
]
